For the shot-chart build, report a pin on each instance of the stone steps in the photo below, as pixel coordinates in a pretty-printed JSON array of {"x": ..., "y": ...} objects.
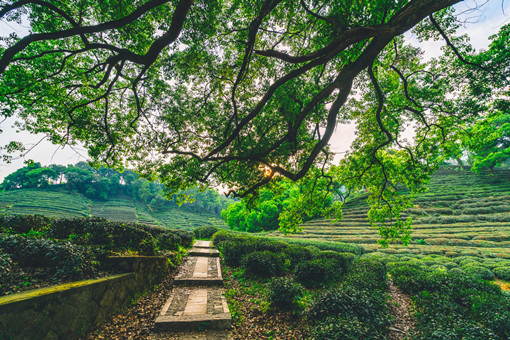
[
  {"x": 203, "y": 252},
  {"x": 195, "y": 308},
  {"x": 198, "y": 300},
  {"x": 200, "y": 270}
]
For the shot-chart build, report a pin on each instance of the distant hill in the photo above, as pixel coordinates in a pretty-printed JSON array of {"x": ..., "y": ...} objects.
[
  {"x": 462, "y": 213},
  {"x": 55, "y": 202}
]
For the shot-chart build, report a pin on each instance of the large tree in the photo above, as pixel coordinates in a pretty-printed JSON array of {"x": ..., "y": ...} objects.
[{"x": 238, "y": 92}]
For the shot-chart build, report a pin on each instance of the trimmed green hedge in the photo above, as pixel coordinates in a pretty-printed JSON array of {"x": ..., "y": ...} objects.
[
  {"x": 263, "y": 263},
  {"x": 111, "y": 235},
  {"x": 63, "y": 259}
]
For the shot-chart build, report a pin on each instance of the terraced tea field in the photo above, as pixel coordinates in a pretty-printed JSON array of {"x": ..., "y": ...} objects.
[
  {"x": 461, "y": 214},
  {"x": 44, "y": 202},
  {"x": 56, "y": 203}
]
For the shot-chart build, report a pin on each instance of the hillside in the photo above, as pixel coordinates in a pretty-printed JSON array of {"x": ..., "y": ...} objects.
[
  {"x": 59, "y": 203},
  {"x": 462, "y": 213}
]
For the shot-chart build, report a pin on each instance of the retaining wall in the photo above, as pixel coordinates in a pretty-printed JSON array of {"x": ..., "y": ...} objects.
[{"x": 70, "y": 310}]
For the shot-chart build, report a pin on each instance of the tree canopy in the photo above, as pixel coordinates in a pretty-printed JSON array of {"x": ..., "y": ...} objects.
[{"x": 245, "y": 92}]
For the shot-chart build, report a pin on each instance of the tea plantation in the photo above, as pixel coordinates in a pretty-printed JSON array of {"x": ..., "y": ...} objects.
[
  {"x": 462, "y": 214},
  {"x": 296, "y": 290},
  {"x": 60, "y": 203}
]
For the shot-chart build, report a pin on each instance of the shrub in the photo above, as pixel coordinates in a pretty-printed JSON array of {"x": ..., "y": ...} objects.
[
  {"x": 10, "y": 275},
  {"x": 322, "y": 245},
  {"x": 357, "y": 310},
  {"x": 441, "y": 318},
  {"x": 22, "y": 224},
  {"x": 64, "y": 258},
  {"x": 223, "y": 236},
  {"x": 409, "y": 278},
  {"x": 185, "y": 237},
  {"x": 168, "y": 241},
  {"x": 147, "y": 246},
  {"x": 477, "y": 271},
  {"x": 296, "y": 254},
  {"x": 263, "y": 263},
  {"x": 62, "y": 228},
  {"x": 234, "y": 246},
  {"x": 316, "y": 272},
  {"x": 345, "y": 328},
  {"x": 367, "y": 273},
  {"x": 284, "y": 292},
  {"x": 316, "y": 252},
  {"x": 234, "y": 251},
  {"x": 502, "y": 273},
  {"x": 456, "y": 271},
  {"x": 344, "y": 259},
  {"x": 205, "y": 232}
]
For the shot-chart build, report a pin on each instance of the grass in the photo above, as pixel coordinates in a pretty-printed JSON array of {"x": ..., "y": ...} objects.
[
  {"x": 58, "y": 203},
  {"x": 462, "y": 213}
]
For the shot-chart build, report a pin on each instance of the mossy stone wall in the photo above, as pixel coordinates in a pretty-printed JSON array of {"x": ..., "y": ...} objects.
[{"x": 70, "y": 310}]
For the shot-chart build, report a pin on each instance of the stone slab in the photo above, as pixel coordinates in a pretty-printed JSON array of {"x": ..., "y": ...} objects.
[
  {"x": 201, "y": 267},
  {"x": 193, "y": 335},
  {"x": 194, "y": 308},
  {"x": 203, "y": 244},
  {"x": 200, "y": 270},
  {"x": 197, "y": 303},
  {"x": 204, "y": 252}
]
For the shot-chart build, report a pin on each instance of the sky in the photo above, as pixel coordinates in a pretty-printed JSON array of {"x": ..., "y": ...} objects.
[{"x": 479, "y": 25}]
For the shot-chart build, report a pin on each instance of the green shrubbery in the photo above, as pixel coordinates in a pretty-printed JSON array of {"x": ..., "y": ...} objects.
[
  {"x": 111, "y": 235},
  {"x": 478, "y": 271},
  {"x": 351, "y": 310},
  {"x": 453, "y": 305},
  {"x": 322, "y": 245},
  {"x": 73, "y": 248},
  {"x": 205, "y": 232},
  {"x": 22, "y": 224},
  {"x": 10, "y": 274},
  {"x": 316, "y": 272},
  {"x": 296, "y": 254},
  {"x": 263, "y": 263},
  {"x": 284, "y": 293},
  {"x": 502, "y": 273},
  {"x": 63, "y": 259}
]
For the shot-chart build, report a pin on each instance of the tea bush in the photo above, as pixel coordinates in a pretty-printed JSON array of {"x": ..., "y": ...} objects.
[
  {"x": 263, "y": 264},
  {"x": 317, "y": 272},
  {"x": 367, "y": 273},
  {"x": 64, "y": 259},
  {"x": 345, "y": 260},
  {"x": 168, "y": 241},
  {"x": 205, "y": 232},
  {"x": 10, "y": 274},
  {"x": 284, "y": 292},
  {"x": 296, "y": 254},
  {"x": 185, "y": 236},
  {"x": 502, "y": 273},
  {"x": 111, "y": 235},
  {"x": 454, "y": 305},
  {"x": 349, "y": 312},
  {"x": 478, "y": 271},
  {"x": 323, "y": 245},
  {"x": 22, "y": 224}
]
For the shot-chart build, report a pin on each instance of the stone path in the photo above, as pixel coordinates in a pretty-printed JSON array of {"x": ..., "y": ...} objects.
[{"x": 198, "y": 301}]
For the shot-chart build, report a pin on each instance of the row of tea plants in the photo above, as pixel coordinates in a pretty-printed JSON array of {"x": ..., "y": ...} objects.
[{"x": 35, "y": 248}]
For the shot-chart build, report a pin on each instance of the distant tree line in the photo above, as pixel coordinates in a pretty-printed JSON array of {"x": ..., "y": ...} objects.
[{"x": 104, "y": 183}]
